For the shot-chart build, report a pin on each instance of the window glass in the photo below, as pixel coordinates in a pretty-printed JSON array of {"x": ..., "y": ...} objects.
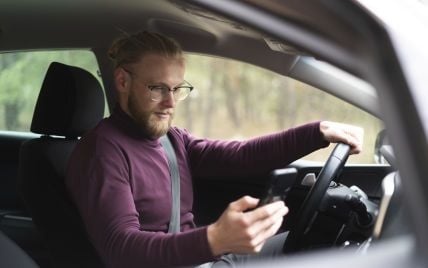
[
  {"x": 21, "y": 77},
  {"x": 233, "y": 100}
]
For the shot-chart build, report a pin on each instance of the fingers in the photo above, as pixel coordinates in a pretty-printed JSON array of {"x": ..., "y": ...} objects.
[
  {"x": 353, "y": 142},
  {"x": 267, "y": 211},
  {"x": 349, "y": 134},
  {"x": 266, "y": 233},
  {"x": 355, "y": 137},
  {"x": 263, "y": 230},
  {"x": 259, "y": 218},
  {"x": 244, "y": 203},
  {"x": 237, "y": 231},
  {"x": 269, "y": 218}
]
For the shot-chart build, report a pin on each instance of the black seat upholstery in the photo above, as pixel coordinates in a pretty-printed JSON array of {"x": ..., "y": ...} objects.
[{"x": 71, "y": 101}]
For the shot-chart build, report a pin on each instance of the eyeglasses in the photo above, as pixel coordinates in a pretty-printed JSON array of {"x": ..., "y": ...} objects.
[{"x": 161, "y": 92}]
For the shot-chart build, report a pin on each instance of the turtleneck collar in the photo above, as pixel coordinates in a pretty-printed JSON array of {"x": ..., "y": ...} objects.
[{"x": 126, "y": 123}]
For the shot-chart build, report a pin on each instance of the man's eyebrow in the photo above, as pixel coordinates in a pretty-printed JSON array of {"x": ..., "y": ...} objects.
[{"x": 165, "y": 84}]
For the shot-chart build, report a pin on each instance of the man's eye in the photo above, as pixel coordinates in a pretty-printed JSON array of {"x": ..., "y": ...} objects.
[{"x": 159, "y": 88}]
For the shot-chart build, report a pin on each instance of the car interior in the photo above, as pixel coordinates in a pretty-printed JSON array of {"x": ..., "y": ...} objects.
[{"x": 332, "y": 205}]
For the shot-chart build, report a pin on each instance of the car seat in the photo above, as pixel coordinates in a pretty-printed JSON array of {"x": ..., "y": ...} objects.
[{"x": 71, "y": 101}]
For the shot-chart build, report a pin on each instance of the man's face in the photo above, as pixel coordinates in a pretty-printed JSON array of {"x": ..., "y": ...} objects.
[{"x": 153, "y": 117}]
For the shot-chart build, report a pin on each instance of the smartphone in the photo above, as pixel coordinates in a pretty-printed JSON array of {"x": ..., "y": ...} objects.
[{"x": 281, "y": 180}]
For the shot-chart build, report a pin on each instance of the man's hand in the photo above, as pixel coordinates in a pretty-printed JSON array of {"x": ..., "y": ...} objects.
[
  {"x": 337, "y": 132},
  {"x": 237, "y": 231}
]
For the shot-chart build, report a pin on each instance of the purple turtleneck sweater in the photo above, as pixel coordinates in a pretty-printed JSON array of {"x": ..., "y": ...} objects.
[{"x": 120, "y": 182}]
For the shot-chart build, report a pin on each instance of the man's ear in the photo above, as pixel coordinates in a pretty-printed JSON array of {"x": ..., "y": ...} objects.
[{"x": 121, "y": 80}]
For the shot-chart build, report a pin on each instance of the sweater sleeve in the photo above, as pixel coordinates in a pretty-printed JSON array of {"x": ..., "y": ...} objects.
[
  {"x": 255, "y": 156},
  {"x": 100, "y": 187}
]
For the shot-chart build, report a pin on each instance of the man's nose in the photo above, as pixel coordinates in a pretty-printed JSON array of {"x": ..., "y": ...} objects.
[{"x": 168, "y": 99}]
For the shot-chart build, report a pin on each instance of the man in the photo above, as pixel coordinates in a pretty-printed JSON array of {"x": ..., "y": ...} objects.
[{"x": 119, "y": 177}]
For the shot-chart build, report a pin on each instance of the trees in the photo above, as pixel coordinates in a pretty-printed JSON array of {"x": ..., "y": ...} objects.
[
  {"x": 12, "y": 87},
  {"x": 21, "y": 77},
  {"x": 233, "y": 100}
]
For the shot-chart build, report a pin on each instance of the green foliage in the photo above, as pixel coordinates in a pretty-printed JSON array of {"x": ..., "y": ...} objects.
[{"x": 21, "y": 77}]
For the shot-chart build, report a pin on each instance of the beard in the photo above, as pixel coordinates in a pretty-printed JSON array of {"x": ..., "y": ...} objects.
[{"x": 148, "y": 123}]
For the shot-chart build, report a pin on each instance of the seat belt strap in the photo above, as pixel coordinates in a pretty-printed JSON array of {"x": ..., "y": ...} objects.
[{"x": 174, "y": 224}]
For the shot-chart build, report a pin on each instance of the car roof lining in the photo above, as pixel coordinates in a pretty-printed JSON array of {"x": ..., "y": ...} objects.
[{"x": 215, "y": 34}]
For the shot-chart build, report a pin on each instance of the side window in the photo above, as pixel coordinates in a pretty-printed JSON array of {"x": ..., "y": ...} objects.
[
  {"x": 21, "y": 77},
  {"x": 233, "y": 100}
]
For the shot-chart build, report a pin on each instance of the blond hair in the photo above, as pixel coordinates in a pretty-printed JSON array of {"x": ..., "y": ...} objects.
[{"x": 132, "y": 47}]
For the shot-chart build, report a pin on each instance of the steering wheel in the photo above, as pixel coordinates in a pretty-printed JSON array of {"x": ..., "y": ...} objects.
[{"x": 310, "y": 206}]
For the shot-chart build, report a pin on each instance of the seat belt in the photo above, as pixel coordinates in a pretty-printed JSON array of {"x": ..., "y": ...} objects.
[{"x": 174, "y": 224}]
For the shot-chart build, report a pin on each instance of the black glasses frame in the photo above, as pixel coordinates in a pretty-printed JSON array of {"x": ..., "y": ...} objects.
[{"x": 188, "y": 87}]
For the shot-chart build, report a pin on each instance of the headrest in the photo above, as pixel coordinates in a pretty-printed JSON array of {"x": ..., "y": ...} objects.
[{"x": 70, "y": 102}]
